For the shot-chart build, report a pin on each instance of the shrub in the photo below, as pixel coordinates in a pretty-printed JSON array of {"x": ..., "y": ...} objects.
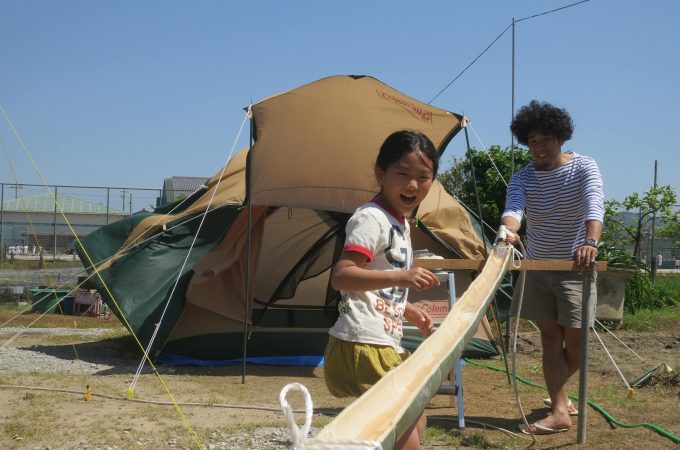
[{"x": 642, "y": 293}]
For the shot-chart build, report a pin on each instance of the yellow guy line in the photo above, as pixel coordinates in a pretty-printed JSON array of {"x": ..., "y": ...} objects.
[{"x": 89, "y": 260}]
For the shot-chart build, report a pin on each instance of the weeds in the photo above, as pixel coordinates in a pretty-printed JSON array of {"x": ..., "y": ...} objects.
[
  {"x": 454, "y": 438},
  {"x": 643, "y": 294},
  {"x": 649, "y": 320}
]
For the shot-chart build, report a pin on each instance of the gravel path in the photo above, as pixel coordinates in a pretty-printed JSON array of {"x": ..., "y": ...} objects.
[
  {"x": 51, "y": 358},
  {"x": 61, "y": 359}
]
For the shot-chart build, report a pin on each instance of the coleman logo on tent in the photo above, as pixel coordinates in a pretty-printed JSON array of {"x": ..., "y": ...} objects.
[{"x": 415, "y": 110}]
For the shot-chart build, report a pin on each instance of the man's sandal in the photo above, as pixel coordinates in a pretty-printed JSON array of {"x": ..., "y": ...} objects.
[
  {"x": 539, "y": 429},
  {"x": 570, "y": 406}
]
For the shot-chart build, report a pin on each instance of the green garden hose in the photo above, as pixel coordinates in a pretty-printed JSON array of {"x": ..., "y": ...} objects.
[{"x": 598, "y": 408}]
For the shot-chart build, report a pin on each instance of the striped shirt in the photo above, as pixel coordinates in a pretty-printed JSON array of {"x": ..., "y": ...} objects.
[{"x": 557, "y": 204}]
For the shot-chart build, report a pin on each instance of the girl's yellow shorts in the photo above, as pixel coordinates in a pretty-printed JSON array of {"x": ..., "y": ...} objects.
[{"x": 351, "y": 368}]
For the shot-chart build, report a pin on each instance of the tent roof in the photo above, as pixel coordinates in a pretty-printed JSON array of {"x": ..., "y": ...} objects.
[{"x": 331, "y": 131}]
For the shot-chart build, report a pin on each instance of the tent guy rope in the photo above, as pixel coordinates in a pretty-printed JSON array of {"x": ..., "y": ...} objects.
[
  {"x": 185, "y": 422},
  {"x": 186, "y": 258}
]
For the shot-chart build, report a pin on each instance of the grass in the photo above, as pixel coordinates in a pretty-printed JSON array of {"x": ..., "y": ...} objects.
[
  {"x": 644, "y": 293},
  {"x": 650, "y": 320},
  {"x": 454, "y": 438},
  {"x": 614, "y": 395},
  {"x": 670, "y": 284},
  {"x": 48, "y": 263},
  {"x": 30, "y": 422},
  {"x": 21, "y": 315}
]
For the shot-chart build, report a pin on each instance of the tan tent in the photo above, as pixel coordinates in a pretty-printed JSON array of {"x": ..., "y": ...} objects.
[{"x": 311, "y": 165}]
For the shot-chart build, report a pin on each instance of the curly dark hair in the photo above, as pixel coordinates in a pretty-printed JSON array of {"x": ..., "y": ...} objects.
[{"x": 542, "y": 117}]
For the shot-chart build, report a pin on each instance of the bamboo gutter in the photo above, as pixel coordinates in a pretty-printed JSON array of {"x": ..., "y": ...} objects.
[{"x": 386, "y": 410}]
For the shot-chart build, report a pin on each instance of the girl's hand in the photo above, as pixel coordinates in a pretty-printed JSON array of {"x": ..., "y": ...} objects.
[
  {"x": 418, "y": 279},
  {"x": 419, "y": 318}
]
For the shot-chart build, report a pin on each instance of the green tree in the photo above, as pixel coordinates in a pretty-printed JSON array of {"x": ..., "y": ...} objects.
[
  {"x": 657, "y": 202},
  {"x": 492, "y": 173},
  {"x": 671, "y": 230}
]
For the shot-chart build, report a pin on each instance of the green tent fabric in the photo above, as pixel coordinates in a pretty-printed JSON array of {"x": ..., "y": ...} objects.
[{"x": 310, "y": 167}]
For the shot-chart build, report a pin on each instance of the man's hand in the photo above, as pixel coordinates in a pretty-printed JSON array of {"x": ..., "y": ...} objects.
[
  {"x": 511, "y": 226},
  {"x": 419, "y": 318},
  {"x": 585, "y": 255},
  {"x": 511, "y": 238}
]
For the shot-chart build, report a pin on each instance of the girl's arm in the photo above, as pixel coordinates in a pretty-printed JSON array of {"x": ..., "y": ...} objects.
[{"x": 350, "y": 274}]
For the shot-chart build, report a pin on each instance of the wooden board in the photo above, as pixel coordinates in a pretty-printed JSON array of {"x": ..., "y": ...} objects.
[{"x": 478, "y": 264}]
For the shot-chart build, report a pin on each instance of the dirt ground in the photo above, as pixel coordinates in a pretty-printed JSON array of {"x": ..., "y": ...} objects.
[{"x": 214, "y": 404}]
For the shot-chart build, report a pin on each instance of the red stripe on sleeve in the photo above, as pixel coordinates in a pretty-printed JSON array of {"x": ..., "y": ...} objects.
[{"x": 359, "y": 249}]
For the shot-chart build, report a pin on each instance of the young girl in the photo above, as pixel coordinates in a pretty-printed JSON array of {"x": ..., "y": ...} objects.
[{"x": 374, "y": 275}]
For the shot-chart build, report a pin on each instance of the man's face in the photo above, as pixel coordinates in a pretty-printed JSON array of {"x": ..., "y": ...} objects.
[{"x": 545, "y": 150}]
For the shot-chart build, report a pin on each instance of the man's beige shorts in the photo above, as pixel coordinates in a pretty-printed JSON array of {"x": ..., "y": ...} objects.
[{"x": 555, "y": 296}]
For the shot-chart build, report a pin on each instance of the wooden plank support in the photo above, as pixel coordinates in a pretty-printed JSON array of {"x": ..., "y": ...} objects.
[{"x": 478, "y": 264}]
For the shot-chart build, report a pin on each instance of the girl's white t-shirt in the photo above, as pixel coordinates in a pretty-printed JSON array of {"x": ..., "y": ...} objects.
[{"x": 375, "y": 317}]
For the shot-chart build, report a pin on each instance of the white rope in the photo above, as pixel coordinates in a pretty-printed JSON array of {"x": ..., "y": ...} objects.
[
  {"x": 520, "y": 298},
  {"x": 620, "y": 341},
  {"x": 299, "y": 435},
  {"x": 611, "y": 358},
  {"x": 493, "y": 163},
  {"x": 186, "y": 259}
]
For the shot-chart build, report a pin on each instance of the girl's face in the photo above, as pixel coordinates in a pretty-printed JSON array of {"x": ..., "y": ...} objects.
[{"x": 406, "y": 182}]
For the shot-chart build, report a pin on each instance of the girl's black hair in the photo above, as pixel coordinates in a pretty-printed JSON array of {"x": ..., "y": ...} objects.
[
  {"x": 544, "y": 118},
  {"x": 402, "y": 142}
]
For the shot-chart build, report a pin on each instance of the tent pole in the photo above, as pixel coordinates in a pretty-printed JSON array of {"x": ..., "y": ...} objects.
[
  {"x": 474, "y": 184},
  {"x": 250, "y": 231},
  {"x": 481, "y": 226},
  {"x": 512, "y": 103},
  {"x": 586, "y": 302},
  {"x": 496, "y": 317}
]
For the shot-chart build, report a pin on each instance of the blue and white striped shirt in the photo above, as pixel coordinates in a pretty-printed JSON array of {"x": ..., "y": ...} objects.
[{"x": 557, "y": 203}]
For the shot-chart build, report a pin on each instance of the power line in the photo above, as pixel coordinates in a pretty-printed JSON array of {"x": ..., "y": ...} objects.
[
  {"x": 469, "y": 65},
  {"x": 551, "y": 11},
  {"x": 497, "y": 38}
]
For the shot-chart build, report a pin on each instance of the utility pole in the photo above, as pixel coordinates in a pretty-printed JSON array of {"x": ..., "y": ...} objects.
[
  {"x": 2, "y": 226},
  {"x": 652, "y": 255},
  {"x": 16, "y": 188},
  {"x": 512, "y": 106}
]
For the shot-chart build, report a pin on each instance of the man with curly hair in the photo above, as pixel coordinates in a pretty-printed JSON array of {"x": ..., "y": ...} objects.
[{"x": 560, "y": 195}]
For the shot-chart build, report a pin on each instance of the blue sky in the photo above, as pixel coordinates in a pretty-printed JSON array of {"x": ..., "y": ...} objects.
[{"x": 127, "y": 93}]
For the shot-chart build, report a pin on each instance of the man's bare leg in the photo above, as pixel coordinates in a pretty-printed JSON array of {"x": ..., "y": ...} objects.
[{"x": 557, "y": 368}]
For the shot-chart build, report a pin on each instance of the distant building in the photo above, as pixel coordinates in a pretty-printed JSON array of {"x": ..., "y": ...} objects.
[
  {"x": 37, "y": 221},
  {"x": 178, "y": 188}
]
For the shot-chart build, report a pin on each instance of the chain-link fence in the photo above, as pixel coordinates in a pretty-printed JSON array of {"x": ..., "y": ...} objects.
[{"x": 36, "y": 218}]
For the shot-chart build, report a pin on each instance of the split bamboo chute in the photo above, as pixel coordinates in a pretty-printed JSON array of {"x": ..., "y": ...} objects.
[{"x": 386, "y": 410}]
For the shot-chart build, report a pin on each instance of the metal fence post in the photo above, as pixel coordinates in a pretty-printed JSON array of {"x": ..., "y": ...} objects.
[
  {"x": 586, "y": 319},
  {"x": 54, "y": 222},
  {"x": 2, "y": 224}
]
